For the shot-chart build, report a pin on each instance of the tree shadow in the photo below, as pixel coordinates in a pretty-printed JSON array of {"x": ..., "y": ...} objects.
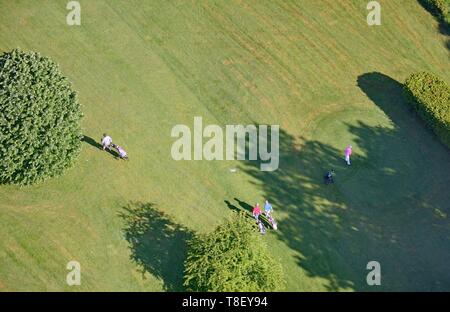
[
  {"x": 296, "y": 188},
  {"x": 387, "y": 94},
  {"x": 444, "y": 27},
  {"x": 413, "y": 161},
  {"x": 157, "y": 243},
  {"x": 390, "y": 206},
  {"x": 95, "y": 144}
]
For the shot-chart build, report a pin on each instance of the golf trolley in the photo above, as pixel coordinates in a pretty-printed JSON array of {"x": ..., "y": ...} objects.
[{"x": 272, "y": 222}]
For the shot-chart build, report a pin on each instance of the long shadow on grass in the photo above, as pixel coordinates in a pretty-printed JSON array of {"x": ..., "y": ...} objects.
[
  {"x": 391, "y": 205},
  {"x": 316, "y": 223},
  {"x": 414, "y": 188},
  {"x": 91, "y": 142},
  {"x": 444, "y": 27},
  {"x": 158, "y": 244}
]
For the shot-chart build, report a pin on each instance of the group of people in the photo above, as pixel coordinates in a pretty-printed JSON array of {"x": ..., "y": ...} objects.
[
  {"x": 107, "y": 143},
  {"x": 268, "y": 213},
  {"x": 328, "y": 177}
]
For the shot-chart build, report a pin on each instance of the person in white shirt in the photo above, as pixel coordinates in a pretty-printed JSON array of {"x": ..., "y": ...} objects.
[{"x": 106, "y": 141}]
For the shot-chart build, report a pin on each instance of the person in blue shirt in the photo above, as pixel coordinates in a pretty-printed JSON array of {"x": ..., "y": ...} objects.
[{"x": 267, "y": 208}]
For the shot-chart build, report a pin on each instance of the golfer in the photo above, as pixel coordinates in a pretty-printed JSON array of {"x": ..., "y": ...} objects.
[
  {"x": 348, "y": 153},
  {"x": 106, "y": 141},
  {"x": 267, "y": 208},
  {"x": 257, "y": 212},
  {"x": 328, "y": 177}
]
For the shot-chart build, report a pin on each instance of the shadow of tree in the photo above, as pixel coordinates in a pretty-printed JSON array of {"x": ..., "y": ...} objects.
[
  {"x": 444, "y": 27},
  {"x": 158, "y": 244},
  {"x": 391, "y": 206}
]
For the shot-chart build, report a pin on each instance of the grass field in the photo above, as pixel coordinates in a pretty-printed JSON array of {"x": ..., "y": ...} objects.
[{"x": 313, "y": 67}]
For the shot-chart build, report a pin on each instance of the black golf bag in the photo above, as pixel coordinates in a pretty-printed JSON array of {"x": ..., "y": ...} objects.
[{"x": 328, "y": 177}]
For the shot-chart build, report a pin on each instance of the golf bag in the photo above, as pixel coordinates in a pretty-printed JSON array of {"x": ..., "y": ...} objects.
[
  {"x": 262, "y": 228},
  {"x": 328, "y": 177},
  {"x": 273, "y": 222}
]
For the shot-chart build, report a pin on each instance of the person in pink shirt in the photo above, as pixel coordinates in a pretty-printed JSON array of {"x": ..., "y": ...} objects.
[
  {"x": 257, "y": 212},
  {"x": 348, "y": 153}
]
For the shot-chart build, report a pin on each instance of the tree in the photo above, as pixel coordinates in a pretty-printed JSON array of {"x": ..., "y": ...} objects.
[
  {"x": 39, "y": 119},
  {"x": 232, "y": 258}
]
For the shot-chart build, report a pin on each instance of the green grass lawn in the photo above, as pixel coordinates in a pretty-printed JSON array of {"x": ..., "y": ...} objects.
[{"x": 313, "y": 67}]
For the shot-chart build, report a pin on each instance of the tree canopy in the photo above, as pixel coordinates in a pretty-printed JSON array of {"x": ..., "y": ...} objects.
[
  {"x": 234, "y": 257},
  {"x": 39, "y": 119}
]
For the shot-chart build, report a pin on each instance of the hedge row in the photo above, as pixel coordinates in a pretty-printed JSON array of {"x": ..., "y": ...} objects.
[{"x": 430, "y": 97}]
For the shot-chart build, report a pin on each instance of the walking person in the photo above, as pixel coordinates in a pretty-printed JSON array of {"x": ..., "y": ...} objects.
[
  {"x": 106, "y": 142},
  {"x": 267, "y": 208},
  {"x": 348, "y": 153},
  {"x": 256, "y": 212}
]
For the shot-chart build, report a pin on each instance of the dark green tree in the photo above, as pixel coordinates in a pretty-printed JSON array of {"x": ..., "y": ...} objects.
[
  {"x": 232, "y": 258},
  {"x": 39, "y": 119}
]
